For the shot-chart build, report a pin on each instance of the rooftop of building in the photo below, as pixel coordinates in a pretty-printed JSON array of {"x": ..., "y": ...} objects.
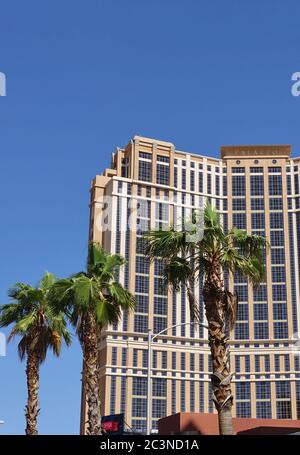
[{"x": 228, "y": 151}]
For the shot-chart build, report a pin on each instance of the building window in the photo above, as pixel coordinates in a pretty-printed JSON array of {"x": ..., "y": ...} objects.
[
  {"x": 277, "y": 256},
  {"x": 159, "y": 387},
  {"x": 279, "y": 311},
  {"x": 173, "y": 360},
  {"x": 267, "y": 363},
  {"x": 139, "y": 386},
  {"x": 162, "y": 211},
  {"x": 283, "y": 403},
  {"x": 275, "y": 203},
  {"x": 274, "y": 169},
  {"x": 135, "y": 357},
  {"x": 263, "y": 410},
  {"x": 217, "y": 184},
  {"x": 260, "y": 311},
  {"x": 162, "y": 174},
  {"x": 142, "y": 284},
  {"x": 208, "y": 183},
  {"x": 237, "y": 364},
  {"x": 280, "y": 330},
  {"x": 241, "y": 331},
  {"x": 201, "y": 363},
  {"x": 238, "y": 185},
  {"x": 192, "y": 181},
  {"x": 257, "y": 185},
  {"x": 173, "y": 396},
  {"x": 289, "y": 184},
  {"x": 142, "y": 265},
  {"x": 114, "y": 356},
  {"x": 124, "y": 357},
  {"x": 143, "y": 209},
  {"x": 113, "y": 394},
  {"x": 158, "y": 408},
  {"x": 242, "y": 313},
  {"x": 183, "y": 178},
  {"x": 160, "y": 305},
  {"x": 139, "y": 407},
  {"x": 243, "y": 409},
  {"x": 278, "y": 274},
  {"x": 257, "y": 204},
  {"x": 141, "y": 303},
  {"x": 145, "y": 170},
  {"x": 239, "y": 220},
  {"x": 242, "y": 391},
  {"x": 256, "y": 170},
  {"x": 279, "y": 292},
  {"x": 182, "y": 396},
  {"x": 140, "y": 323},
  {"x": 275, "y": 185},
  {"x": 277, "y": 238},
  {"x": 160, "y": 287},
  {"x": 260, "y": 293},
  {"x": 238, "y": 170},
  {"x": 261, "y": 330},
  {"x": 200, "y": 182},
  {"x": 263, "y": 390},
  {"x": 258, "y": 221},
  {"x": 276, "y": 220},
  {"x": 159, "y": 324},
  {"x": 239, "y": 204},
  {"x": 175, "y": 177},
  {"x": 224, "y": 185},
  {"x": 124, "y": 168}
]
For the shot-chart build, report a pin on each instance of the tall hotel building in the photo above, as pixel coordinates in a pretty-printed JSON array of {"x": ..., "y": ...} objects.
[{"x": 150, "y": 185}]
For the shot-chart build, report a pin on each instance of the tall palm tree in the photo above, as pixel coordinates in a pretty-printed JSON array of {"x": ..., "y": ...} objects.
[
  {"x": 40, "y": 329},
  {"x": 188, "y": 259},
  {"x": 92, "y": 300}
]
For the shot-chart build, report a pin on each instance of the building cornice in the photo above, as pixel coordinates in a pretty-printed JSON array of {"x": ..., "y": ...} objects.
[{"x": 250, "y": 151}]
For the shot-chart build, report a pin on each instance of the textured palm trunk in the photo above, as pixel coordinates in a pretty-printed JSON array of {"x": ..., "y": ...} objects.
[
  {"x": 32, "y": 407},
  {"x": 91, "y": 376},
  {"x": 213, "y": 292}
]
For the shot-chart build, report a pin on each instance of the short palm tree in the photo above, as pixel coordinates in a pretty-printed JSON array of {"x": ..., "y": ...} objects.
[
  {"x": 92, "y": 300},
  {"x": 40, "y": 329},
  {"x": 188, "y": 259}
]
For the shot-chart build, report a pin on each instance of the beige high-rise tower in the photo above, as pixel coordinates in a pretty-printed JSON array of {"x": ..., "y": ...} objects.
[{"x": 151, "y": 184}]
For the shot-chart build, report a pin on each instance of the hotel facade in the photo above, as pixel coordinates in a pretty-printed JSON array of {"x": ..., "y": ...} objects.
[{"x": 151, "y": 184}]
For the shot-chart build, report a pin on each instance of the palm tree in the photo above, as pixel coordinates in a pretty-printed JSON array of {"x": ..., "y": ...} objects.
[
  {"x": 204, "y": 259},
  {"x": 40, "y": 329},
  {"x": 92, "y": 300}
]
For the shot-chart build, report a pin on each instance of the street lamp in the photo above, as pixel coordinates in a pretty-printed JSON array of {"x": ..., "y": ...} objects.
[{"x": 151, "y": 337}]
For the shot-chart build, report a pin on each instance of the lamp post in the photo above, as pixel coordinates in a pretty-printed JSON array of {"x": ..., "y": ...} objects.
[{"x": 151, "y": 337}]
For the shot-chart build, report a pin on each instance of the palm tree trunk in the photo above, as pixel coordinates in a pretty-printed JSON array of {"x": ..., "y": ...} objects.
[
  {"x": 213, "y": 292},
  {"x": 91, "y": 376},
  {"x": 32, "y": 407}
]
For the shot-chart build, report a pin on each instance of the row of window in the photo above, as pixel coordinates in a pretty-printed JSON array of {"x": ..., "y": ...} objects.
[
  {"x": 196, "y": 362},
  {"x": 239, "y": 220},
  {"x": 242, "y": 395}
]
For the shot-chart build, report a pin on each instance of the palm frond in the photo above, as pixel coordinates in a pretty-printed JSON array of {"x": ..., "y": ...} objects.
[
  {"x": 165, "y": 243},
  {"x": 177, "y": 272},
  {"x": 38, "y": 323},
  {"x": 106, "y": 312},
  {"x": 47, "y": 280},
  {"x": 121, "y": 296},
  {"x": 22, "y": 346}
]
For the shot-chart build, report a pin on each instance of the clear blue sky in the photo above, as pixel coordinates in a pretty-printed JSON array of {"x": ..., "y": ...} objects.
[{"x": 84, "y": 77}]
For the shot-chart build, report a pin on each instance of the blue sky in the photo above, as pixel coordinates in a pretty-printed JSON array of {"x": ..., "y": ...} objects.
[{"x": 84, "y": 77}]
